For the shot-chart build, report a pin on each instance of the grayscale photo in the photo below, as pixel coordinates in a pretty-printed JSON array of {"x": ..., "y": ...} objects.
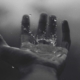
[{"x": 39, "y": 40}]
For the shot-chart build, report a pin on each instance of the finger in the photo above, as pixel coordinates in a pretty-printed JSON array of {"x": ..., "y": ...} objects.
[
  {"x": 25, "y": 24},
  {"x": 66, "y": 44},
  {"x": 41, "y": 31},
  {"x": 26, "y": 35},
  {"x": 51, "y": 31},
  {"x": 42, "y": 24},
  {"x": 66, "y": 41},
  {"x": 25, "y": 27},
  {"x": 52, "y": 26},
  {"x": 2, "y": 42}
]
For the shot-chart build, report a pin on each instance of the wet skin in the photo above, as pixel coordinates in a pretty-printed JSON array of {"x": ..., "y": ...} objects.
[{"x": 31, "y": 65}]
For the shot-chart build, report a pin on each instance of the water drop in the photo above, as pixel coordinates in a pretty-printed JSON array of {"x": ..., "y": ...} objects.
[
  {"x": 24, "y": 28},
  {"x": 55, "y": 20},
  {"x": 29, "y": 31},
  {"x": 58, "y": 55},
  {"x": 13, "y": 67},
  {"x": 30, "y": 15},
  {"x": 37, "y": 51},
  {"x": 54, "y": 51},
  {"x": 33, "y": 36}
]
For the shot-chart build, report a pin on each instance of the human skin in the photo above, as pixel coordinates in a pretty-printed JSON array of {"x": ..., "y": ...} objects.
[{"x": 31, "y": 65}]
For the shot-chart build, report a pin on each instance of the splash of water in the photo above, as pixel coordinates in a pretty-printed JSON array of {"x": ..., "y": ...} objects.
[{"x": 51, "y": 41}]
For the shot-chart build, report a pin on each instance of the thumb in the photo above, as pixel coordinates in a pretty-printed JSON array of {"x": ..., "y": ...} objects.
[{"x": 2, "y": 41}]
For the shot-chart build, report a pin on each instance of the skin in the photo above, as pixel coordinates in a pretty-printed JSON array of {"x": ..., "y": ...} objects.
[{"x": 31, "y": 65}]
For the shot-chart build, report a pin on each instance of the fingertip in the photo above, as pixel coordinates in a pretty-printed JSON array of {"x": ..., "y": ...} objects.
[
  {"x": 25, "y": 19},
  {"x": 25, "y": 16},
  {"x": 43, "y": 19},
  {"x": 25, "y": 23},
  {"x": 65, "y": 26},
  {"x": 43, "y": 15},
  {"x": 42, "y": 24}
]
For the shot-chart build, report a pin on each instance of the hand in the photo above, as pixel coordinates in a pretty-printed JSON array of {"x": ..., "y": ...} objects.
[
  {"x": 38, "y": 49},
  {"x": 44, "y": 42}
]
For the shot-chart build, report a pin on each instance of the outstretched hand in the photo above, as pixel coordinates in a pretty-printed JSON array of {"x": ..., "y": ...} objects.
[
  {"x": 44, "y": 42},
  {"x": 40, "y": 48}
]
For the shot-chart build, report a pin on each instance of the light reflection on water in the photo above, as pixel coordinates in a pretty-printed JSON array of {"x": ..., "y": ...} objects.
[{"x": 48, "y": 41}]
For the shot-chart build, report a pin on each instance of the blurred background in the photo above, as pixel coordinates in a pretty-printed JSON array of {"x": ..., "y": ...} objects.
[{"x": 11, "y": 12}]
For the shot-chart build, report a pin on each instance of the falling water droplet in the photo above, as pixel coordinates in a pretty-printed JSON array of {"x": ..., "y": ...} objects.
[{"x": 30, "y": 15}]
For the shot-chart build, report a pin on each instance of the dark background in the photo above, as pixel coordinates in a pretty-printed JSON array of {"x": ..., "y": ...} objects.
[{"x": 11, "y": 13}]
